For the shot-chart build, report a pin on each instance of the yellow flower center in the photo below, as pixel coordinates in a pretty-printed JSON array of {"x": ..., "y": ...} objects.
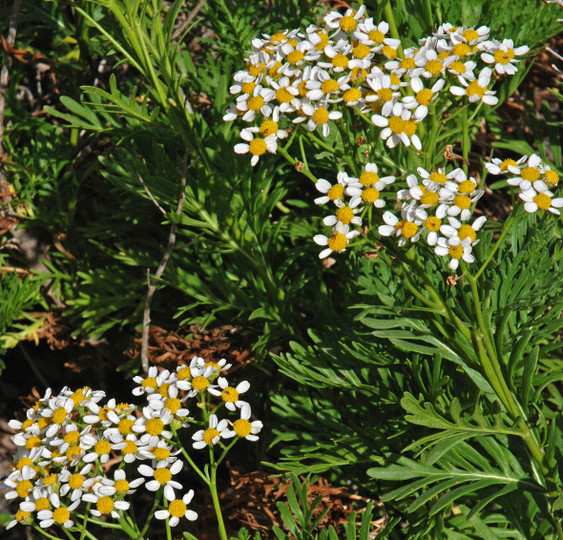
[
  {"x": 407, "y": 63},
  {"x": 323, "y": 42},
  {"x": 105, "y": 505},
  {"x": 376, "y": 36},
  {"x": 75, "y": 481},
  {"x": 21, "y": 515},
  {"x": 360, "y": 51},
  {"x": 173, "y": 405},
  {"x": 256, "y": 69},
  {"x": 467, "y": 186},
  {"x": 184, "y": 373},
  {"x": 337, "y": 242},
  {"x": 389, "y": 52},
  {"x": 32, "y": 442},
  {"x": 24, "y": 462},
  {"x": 358, "y": 73},
  {"x": 474, "y": 89},
  {"x": 242, "y": 427},
  {"x": 248, "y": 88},
  {"x": 43, "y": 422},
  {"x": 340, "y": 61},
  {"x": 74, "y": 452},
  {"x": 61, "y": 515},
  {"x": 369, "y": 178},
  {"x": 348, "y": 24},
  {"x": 50, "y": 479},
  {"x": 345, "y": 215},
  {"x": 328, "y": 86},
  {"x": 543, "y": 201},
  {"x": 470, "y": 34},
  {"x": 162, "y": 475},
  {"x": 125, "y": 426},
  {"x": 433, "y": 224},
  {"x": 462, "y": 201},
  {"x": 551, "y": 177},
  {"x": 385, "y": 94},
  {"x": 352, "y": 95},
  {"x": 177, "y": 508},
  {"x": 396, "y": 124},
  {"x": 121, "y": 486},
  {"x": 283, "y": 96},
  {"x": 154, "y": 426},
  {"x": 370, "y": 195},
  {"x": 461, "y": 49},
  {"x": 42, "y": 504},
  {"x": 163, "y": 390},
  {"x": 503, "y": 57},
  {"x": 409, "y": 229},
  {"x": 27, "y": 423},
  {"x": 149, "y": 382},
  {"x": 278, "y": 37},
  {"x": 254, "y": 104},
  {"x": 434, "y": 66},
  {"x": 102, "y": 447},
  {"x": 530, "y": 173},
  {"x": 160, "y": 453},
  {"x": 458, "y": 67},
  {"x": 335, "y": 192},
  {"x": 409, "y": 128},
  {"x": 257, "y": 147},
  {"x": 59, "y": 416},
  {"x": 130, "y": 447},
  {"x": 78, "y": 396},
  {"x": 456, "y": 252},
  {"x": 209, "y": 435},
  {"x": 302, "y": 87},
  {"x": 229, "y": 394},
  {"x": 200, "y": 382},
  {"x": 273, "y": 71},
  {"x": 424, "y": 96},
  {"x": 320, "y": 116},
  {"x": 395, "y": 81},
  {"x": 467, "y": 231},
  {"x": 439, "y": 178},
  {"x": 506, "y": 163},
  {"x": 430, "y": 198},
  {"x": 294, "y": 57},
  {"x": 23, "y": 487}
]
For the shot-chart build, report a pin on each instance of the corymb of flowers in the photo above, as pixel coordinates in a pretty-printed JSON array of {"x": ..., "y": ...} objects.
[
  {"x": 77, "y": 461},
  {"x": 310, "y": 81}
]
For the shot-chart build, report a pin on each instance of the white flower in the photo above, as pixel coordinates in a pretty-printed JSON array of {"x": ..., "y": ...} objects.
[
  {"x": 539, "y": 197},
  {"x": 457, "y": 249},
  {"x": 398, "y": 128},
  {"x": 177, "y": 509},
  {"x": 245, "y": 429},
  {"x": 162, "y": 476},
  {"x": 503, "y": 55},
  {"x": 105, "y": 505},
  {"x": 58, "y": 514},
  {"x": 527, "y": 175},
  {"x": 383, "y": 92},
  {"x": 256, "y": 146},
  {"x": 216, "y": 431},
  {"x": 423, "y": 97},
  {"x": 463, "y": 230},
  {"x": 319, "y": 117},
  {"x": 347, "y": 22},
  {"x": 332, "y": 192},
  {"x": 347, "y": 215},
  {"x": 337, "y": 241},
  {"x": 505, "y": 166},
  {"x": 407, "y": 228},
  {"x": 477, "y": 89},
  {"x": 230, "y": 395}
]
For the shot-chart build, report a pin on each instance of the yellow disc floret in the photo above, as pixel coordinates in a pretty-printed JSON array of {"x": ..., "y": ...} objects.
[
  {"x": 543, "y": 201},
  {"x": 337, "y": 242},
  {"x": 242, "y": 427},
  {"x": 409, "y": 229},
  {"x": 345, "y": 215},
  {"x": 154, "y": 426},
  {"x": 466, "y": 231}
]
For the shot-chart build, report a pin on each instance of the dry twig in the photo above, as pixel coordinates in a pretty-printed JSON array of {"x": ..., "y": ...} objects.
[{"x": 151, "y": 283}]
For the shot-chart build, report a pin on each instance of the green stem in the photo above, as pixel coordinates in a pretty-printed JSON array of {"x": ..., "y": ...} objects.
[
  {"x": 507, "y": 225},
  {"x": 151, "y": 513},
  {"x": 466, "y": 143},
  {"x": 215, "y": 496},
  {"x": 44, "y": 533},
  {"x": 306, "y": 172},
  {"x": 388, "y": 11}
]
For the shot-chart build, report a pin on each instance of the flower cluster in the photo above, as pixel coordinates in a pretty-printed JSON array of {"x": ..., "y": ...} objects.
[
  {"x": 312, "y": 76},
  {"x": 535, "y": 180},
  {"x": 437, "y": 205},
  {"x": 68, "y": 444},
  {"x": 364, "y": 190}
]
